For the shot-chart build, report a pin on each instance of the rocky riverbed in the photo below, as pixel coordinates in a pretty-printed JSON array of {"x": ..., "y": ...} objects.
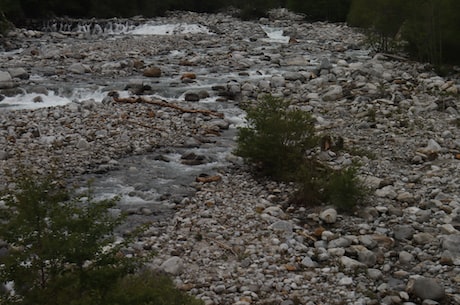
[{"x": 237, "y": 240}]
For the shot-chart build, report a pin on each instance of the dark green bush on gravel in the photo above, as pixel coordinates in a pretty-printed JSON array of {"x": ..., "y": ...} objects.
[
  {"x": 276, "y": 138},
  {"x": 279, "y": 141},
  {"x": 61, "y": 249}
]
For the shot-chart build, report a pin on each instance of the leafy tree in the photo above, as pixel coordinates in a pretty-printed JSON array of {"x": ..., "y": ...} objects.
[
  {"x": 10, "y": 10},
  {"x": 431, "y": 30},
  {"x": 62, "y": 250},
  {"x": 331, "y": 10},
  {"x": 383, "y": 18},
  {"x": 56, "y": 241},
  {"x": 255, "y": 8},
  {"x": 429, "y": 27}
]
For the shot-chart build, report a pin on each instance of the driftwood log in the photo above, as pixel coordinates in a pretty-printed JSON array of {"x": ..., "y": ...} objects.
[{"x": 143, "y": 100}]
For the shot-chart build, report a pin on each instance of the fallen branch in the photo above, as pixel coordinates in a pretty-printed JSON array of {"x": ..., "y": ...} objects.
[
  {"x": 207, "y": 179},
  {"x": 133, "y": 100}
]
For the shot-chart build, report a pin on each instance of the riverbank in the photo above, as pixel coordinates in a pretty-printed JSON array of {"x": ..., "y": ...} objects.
[{"x": 237, "y": 240}]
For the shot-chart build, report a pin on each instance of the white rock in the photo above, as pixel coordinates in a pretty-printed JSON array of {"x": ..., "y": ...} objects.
[
  {"x": 79, "y": 68},
  {"x": 346, "y": 281},
  {"x": 173, "y": 265},
  {"x": 4, "y": 76},
  {"x": 349, "y": 263},
  {"x": 328, "y": 216}
]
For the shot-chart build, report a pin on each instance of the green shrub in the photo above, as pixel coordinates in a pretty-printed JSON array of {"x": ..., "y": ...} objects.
[
  {"x": 279, "y": 142},
  {"x": 52, "y": 237},
  {"x": 5, "y": 25},
  {"x": 148, "y": 288},
  {"x": 344, "y": 190},
  {"x": 62, "y": 249},
  {"x": 276, "y": 138}
]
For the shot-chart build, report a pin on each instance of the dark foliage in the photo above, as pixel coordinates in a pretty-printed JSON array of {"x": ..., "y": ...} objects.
[
  {"x": 19, "y": 10},
  {"x": 426, "y": 28},
  {"x": 279, "y": 142},
  {"x": 276, "y": 138},
  {"x": 314, "y": 10},
  {"x": 61, "y": 249},
  {"x": 430, "y": 27}
]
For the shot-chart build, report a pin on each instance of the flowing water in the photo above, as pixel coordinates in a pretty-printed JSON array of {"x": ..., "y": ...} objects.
[{"x": 149, "y": 185}]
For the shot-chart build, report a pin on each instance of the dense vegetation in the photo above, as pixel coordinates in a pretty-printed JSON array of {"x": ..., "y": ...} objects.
[
  {"x": 18, "y": 10},
  {"x": 425, "y": 29},
  {"x": 60, "y": 249},
  {"x": 280, "y": 142}
]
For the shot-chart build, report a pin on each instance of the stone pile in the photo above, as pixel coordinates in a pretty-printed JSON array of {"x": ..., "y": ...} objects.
[{"x": 238, "y": 240}]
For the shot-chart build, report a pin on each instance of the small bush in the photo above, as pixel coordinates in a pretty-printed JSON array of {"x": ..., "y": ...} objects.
[
  {"x": 279, "y": 142},
  {"x": 62, "y": 250},
  {"x": 276, "y": 138},
  {"x": 148, "y": 288},
  {"x": 344, "y": 190}
]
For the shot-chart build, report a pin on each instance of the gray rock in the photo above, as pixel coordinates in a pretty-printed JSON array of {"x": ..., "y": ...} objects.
[
  {"x": 402, "y": 232},
  {"x": 423, "y": 238},
  {"x": 174, "y": 265},
  {"x": 78, "y": 68},
  {"x": 433, "y": 146},
  {"x": 325, "y": 64},
  {"x": 405, "y": 197},
  {"x": 203, "y": 94},
  {"x": 293, "y": 76},
  {"x": 307, "y": 262},
  {"x": 349, "y": 263},
  {"x": 405, "y": 258},
  {"x": 5, "y": 76},
  {"x": 274, "y": 211},
  {"x": 428, "y": 289},
  {"x": 19, "y": 73},
  {"x": 277, "y": 82},
  {"x": 8, "y": 85},
  {"x": 48, "y": 140},
  {"x": 451, "y": 247},
  {"x": 282, "y": 226},
  {"x": 83, "y": 144},
  {"x": 340, "y": 242},
  {"x": 345, "y": 281},
  {"x": 367, "y": 241},
  {"x": 374, "y": 274},
  {"x": 367, "y": 257},
  {"x": 335, "y": 92},
  {"x": 386, "y": 192},
  {"x": 3, "y": 155}
]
